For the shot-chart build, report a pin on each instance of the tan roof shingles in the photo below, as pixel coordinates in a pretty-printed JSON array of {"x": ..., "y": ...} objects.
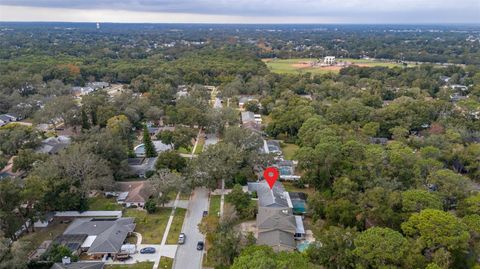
[{"x": 138, "y": 191}]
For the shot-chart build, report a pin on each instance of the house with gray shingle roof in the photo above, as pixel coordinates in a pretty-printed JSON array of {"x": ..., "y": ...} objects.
[
  {"x": 105, "y": 236},
  {"x": 276, "y": 224},
  {"x": 275, "y": 197},
  {"x": 53, "y": 145}
]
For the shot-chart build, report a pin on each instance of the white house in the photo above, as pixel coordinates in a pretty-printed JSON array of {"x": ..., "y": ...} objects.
[{"x": 329, "y": 60}]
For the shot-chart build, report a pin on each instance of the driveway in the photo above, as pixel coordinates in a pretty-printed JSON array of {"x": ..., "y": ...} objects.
[
  {"x": 160, "y": 250},
  {"x": 187, "y": 255}
]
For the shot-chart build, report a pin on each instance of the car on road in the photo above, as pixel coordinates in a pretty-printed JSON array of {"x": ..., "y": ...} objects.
[
  {"x": 205, "y": 213},
  {"x": 181, "y": 239},
  {"x": 147, "y": 250},
  {"x": 200, "y": 245}
]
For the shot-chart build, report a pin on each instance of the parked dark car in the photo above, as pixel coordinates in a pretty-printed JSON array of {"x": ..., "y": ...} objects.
[
  {"x": 200, "y": 245},
  {"x": 147, "y": 250},
  {"x": 205, "y": 213},
  {"x": 181, "y": 239}
]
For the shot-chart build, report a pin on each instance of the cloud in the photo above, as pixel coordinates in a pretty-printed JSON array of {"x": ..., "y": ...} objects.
[{"x": 404, "y": 11}]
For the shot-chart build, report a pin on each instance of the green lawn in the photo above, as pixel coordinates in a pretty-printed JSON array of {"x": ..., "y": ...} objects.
[
  {"x": 41, "y": 234},
  {"x": 184, "y": 196},
  {"x": 176, "y": 226},
  {"x": 138, "y": 265},
  {"x": 165, "y": 263},
  {"x": 200, "y": 144},
  {"x": 184, "y": 150},
  {"x": 289, "y": 150},
  {"x": 286, "y": 66},
  {"x": 291, "y": 188},
  {"x": 214, "y": 208},
  {"x": 150, "y": 226},
  {"x": 102, "y": 203}
]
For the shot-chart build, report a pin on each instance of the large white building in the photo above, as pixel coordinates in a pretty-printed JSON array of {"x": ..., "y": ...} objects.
[{"x": 329, "y": 60}]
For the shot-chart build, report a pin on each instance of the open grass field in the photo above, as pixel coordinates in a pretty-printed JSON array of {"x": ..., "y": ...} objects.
[
  {"x": 138, "y": 265},
  {"x": 151, "y": 226},
  {"x": 176, "y": 226},
  {"x": 302, "y": 65}
]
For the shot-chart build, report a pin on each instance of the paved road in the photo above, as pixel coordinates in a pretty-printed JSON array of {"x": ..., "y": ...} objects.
[{"x": 187, "y": 256}]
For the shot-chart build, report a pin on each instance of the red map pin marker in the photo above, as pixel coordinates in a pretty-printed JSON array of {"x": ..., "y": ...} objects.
[{"x": 271, "y": 175}]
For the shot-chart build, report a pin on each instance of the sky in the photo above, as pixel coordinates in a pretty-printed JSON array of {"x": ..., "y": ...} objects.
[{"x": 244, "y": 11}]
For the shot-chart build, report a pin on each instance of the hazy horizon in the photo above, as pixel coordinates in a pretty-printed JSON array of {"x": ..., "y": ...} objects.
[{"x": 244, "y": 11}]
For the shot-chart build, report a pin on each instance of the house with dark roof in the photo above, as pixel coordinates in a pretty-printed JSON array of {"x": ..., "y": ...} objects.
[
  {"x": 276, "y": 228},
  {"x": 272, "y": 146},
  {"x": 250, "y": 122},
  {"x": 72, "y": 241},
  {"x": 275, "y": 197},
  {"x": 247, "y": 116},
  {"x": 276, "y": 224},
  {"x": 53, "y": 145},
  {"x": 8, "y": 118},
  {"x": 105, "y": 236},
  {"x": 141, "y": 166}
]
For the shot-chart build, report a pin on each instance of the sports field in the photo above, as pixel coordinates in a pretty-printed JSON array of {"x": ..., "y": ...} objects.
[{"x": 304, "y": 65}]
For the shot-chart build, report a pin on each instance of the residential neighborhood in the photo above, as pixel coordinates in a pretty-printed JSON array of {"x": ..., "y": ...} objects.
[{"x": 204, "y": 145}]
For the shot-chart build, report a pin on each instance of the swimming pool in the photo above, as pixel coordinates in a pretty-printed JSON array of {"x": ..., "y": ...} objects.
[{"x": 303, "y": 246}]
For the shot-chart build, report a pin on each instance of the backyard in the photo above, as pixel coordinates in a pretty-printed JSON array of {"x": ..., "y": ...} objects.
[
  {"x": 290, "y": 187},
  {"x": 100, "y": 202},
  {"x": 289, "y": 150},
  {"x": 41, "y": 234}
]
